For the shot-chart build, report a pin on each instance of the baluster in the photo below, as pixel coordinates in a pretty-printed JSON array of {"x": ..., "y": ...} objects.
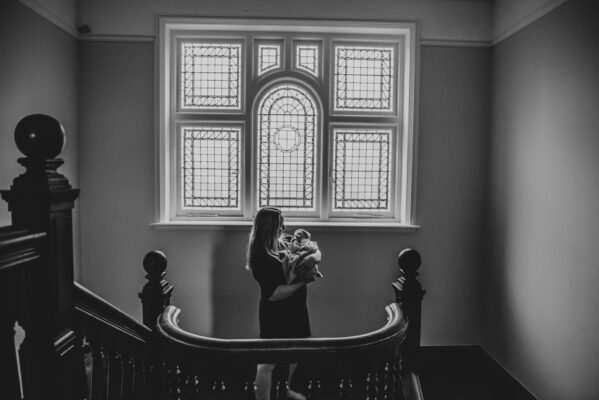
[
  {"x": 372, "y": 389},
  {"x": 385, "y": 383},
  {"x": 219, "y": 390},
  {"x": 166, "y": 372},
  {"x": 116, "y": 376},
  {"x": 345, "y": 389},
  {"x": 196, "y": 389},
  {"x": 281, "y": 389},
  {"x": 179, "y": 383},
  {"x": 128, "y": 378},
  {"x": 142, "y": 390},
  {"x": 88, "y": 365},
  {"x": 8, "y": 361},
  {"x": 314, "y": 389},
  {"x": 138, "y": 373},
  {"x": 249, "y": 390},
  {"x": 396, "y": 378},
  {"x": 99, "y": 372}
]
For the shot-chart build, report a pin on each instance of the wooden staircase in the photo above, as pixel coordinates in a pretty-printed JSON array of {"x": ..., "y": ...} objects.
[{"x": 79, "y": 346}]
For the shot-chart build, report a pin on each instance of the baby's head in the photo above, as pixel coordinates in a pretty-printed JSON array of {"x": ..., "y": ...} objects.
[{"x": 301, "y": 234}]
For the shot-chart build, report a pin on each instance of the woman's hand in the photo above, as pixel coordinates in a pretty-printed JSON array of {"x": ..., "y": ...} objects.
[
  {"x": 305, "y": 270},
  {"x": 283, "y": 291}
]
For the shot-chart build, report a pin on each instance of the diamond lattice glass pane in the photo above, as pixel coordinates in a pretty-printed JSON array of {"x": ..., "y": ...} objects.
[
  {"x": 306, "y": 58},
  {"x": 287, "y": 118},
  {"x": 361, "y": 169},
  {"x": 269, "y": 57},
  {"x": 211, "y": 75},
  {"x": 364, "y": 78},
  {"x": 211, "y": 175}
]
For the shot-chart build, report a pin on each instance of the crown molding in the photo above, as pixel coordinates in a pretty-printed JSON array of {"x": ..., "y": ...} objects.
[
  {"x": 454, "y": 43},
  {"x": 51, "y": 16},
  {"x": 117, "y": 38},
  {"x": 528, "y": 19}
]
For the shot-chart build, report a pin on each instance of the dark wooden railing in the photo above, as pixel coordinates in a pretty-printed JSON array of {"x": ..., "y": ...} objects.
[
  {"x": 368, "y": 366},
  {"x": 76, "y": 345},
  {"x": 116, "y": 349}
]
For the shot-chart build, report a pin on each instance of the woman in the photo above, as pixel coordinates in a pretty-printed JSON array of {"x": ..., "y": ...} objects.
[{"x": 283, "y": 311}]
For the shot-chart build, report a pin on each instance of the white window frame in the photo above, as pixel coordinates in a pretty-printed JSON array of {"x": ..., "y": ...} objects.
[{"x": 288, "y": 31}]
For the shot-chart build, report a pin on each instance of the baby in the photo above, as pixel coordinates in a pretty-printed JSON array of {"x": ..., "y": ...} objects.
[{"x": 298, "y": 248}]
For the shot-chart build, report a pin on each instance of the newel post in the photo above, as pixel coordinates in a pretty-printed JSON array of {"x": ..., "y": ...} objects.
[
  {"x": 156, "y": 293},
  {"x": 41, "y": 200},
  {"x": 409, "y": 294}
]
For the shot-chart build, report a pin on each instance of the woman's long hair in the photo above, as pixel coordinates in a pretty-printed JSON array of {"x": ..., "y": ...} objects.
[{"x": 265, "y": 233}]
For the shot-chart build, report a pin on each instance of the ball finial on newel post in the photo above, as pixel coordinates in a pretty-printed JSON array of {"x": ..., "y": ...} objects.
[
  {"x": 40, "y": 136},
  {"x": 156, "y": 294},
  {"x": 409, "y": 294},
  {"x": 36, "y": 193}
]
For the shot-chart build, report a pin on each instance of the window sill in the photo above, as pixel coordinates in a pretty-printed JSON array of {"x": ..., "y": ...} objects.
[{"x": 313, "y": 225}]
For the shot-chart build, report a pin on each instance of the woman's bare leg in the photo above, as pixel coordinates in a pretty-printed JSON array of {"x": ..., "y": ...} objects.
[
  {"x": 263, "y": 381},
  {"x": 290, "y": 393}
]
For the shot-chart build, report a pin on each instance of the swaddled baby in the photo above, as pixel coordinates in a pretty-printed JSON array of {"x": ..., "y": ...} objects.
[{"x": 298, "y": 248}]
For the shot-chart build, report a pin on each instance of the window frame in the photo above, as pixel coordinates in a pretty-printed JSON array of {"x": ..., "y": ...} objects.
[{"x": 169, "y": 117}]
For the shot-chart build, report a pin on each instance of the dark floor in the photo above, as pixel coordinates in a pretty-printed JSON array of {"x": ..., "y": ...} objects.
[{"x": 466, "y": 373}]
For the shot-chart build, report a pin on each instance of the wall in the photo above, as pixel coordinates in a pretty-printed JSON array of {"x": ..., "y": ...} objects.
[
  {"x": 440, "y": 19},
  {"x": 542, "y": 285},
  {"x": 37, "y": 75},
  {"x": 206, "y": 266},
  {"x": 509, "y": 16}
]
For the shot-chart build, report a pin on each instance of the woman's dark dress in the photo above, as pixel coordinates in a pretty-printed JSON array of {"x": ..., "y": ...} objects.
[{"x": 286, "y": 318}]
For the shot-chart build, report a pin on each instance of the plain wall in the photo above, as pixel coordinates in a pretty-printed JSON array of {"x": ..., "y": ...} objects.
[
  {"x": 542, "y": 287},
  {"x": 462, "y": 20},
  {"x": 38, "y": 74},
  {"x": 206, "y": 266}
]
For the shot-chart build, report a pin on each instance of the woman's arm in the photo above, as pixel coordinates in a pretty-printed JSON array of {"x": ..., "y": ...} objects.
[
  {"x": 304, "y": 276},
  {"x": 283, "y": 291},
  {"x": 307, "y": 263}
]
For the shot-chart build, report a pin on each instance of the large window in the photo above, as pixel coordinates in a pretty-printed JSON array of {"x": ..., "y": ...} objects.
[{"x": 313, "y": 117}]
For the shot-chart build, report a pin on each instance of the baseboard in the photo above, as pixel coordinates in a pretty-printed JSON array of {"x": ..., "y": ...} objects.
[{"x": 466, "y": 373}]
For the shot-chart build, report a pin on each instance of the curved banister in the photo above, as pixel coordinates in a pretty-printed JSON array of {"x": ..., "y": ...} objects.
[{"x": 391, "y": 334}]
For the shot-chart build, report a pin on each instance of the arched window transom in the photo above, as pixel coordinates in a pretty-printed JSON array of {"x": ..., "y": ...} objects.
[{"x": 287, "y": 132}]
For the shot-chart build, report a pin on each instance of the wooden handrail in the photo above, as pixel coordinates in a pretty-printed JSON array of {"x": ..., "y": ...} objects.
[
  {"x": 94, "y": 306},
  {"x": 18, "y": 246},
  {"x": 391, "y": 334}
]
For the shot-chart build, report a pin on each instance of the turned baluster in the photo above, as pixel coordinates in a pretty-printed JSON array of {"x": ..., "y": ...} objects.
[
  {"x": 386, "y": 388},
  {"x": 219, "y": 390},
  {"x": 409, "y": 294},
  {"x": 314, "y": 389},
  {"x": 249, "y": 390},
  {"x": 372, "y": 386},
  {"x": 345, "y": 389}
]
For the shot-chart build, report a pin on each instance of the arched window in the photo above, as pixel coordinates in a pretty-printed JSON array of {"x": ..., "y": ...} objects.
[
  {"x": 315, "y": 118},
  {"x": 287, "y": 129}
]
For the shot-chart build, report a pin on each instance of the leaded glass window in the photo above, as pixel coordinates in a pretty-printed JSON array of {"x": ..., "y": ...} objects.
[
  {"x": 211, "y": 167},
  {"x": 306, "y": 58},
  {"x": 269, "y": 57},
  {"x": 364, "y": 78},
  {"x": 310, "y": 116},
  {"x": 287, "y": 129},
  {"x": 361, "y": 172},
  {"x": 211, "y": 75}
]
